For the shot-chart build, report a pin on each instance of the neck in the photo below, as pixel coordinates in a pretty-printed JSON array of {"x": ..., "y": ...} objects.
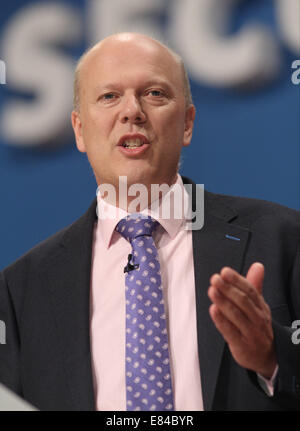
[{"x": 134, "y": 197}]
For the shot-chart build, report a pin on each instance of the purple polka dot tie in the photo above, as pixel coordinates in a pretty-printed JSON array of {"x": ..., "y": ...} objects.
[{"x": 148, "y": 377}]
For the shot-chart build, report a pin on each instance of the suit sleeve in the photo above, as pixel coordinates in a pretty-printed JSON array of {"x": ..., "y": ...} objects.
[
  {"x": 287, "y": 388},
  {"x": 10, "y": 341},
  {"x": 287, "y": 381}
]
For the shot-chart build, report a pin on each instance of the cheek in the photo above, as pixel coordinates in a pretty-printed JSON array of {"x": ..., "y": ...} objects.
[
  {"x": 97, "y": 123},
  {"x": 171, "y": 132},
  {"x": 171, "y": 122}
]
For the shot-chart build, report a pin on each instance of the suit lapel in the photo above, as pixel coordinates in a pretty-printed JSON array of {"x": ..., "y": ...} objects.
[
  {"x": 216, "y": 245},
  {"x": 70, "y": 294}
]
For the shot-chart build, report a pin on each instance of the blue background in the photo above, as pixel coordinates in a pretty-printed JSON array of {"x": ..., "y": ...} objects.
[{"x": 244, "y": 144}]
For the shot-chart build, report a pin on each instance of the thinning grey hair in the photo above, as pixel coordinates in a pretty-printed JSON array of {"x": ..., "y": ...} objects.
[{"x": 178, "y": 59}]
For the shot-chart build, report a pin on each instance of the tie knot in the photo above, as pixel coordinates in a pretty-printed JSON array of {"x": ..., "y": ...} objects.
[{"x": 135, "y": 225}]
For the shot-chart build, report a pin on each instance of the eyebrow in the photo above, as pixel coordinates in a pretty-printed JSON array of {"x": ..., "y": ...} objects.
[{"x": 149, "y": 83}]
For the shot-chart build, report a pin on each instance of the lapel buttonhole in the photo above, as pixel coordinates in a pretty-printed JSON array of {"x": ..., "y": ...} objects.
[{"x": 234, "y": 238}]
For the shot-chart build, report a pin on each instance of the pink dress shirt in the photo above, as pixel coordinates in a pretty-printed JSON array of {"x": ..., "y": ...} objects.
[
  {"x": 110, "y": 251},
  {"x": 107, "y": 326}
]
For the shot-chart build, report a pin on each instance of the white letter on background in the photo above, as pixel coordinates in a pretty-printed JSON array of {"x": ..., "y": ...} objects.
[
  {"x": 36, "y": 66},
  {"x": 199, "y": 33},
  {"x": 289, "y": 22}
]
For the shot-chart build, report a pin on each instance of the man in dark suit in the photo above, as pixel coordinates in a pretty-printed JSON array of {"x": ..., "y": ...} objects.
[{"x": 133, "y": 113}]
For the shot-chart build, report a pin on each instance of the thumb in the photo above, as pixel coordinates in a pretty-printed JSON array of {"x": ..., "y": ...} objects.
[{"x": 255, "y": 276}]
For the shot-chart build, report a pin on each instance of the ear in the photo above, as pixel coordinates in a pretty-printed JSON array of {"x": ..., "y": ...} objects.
[
  {"x": 77, "y": 127},
  {"x": 189, "y": 124}
]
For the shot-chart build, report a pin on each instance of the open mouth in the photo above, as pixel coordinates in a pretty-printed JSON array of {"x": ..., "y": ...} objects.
[
  {"x": 133, "y": 145},
  {"x": 133, "y": 141}
]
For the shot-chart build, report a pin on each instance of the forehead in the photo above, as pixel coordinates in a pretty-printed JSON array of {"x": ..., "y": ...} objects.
[{"x": 129, "y": 60}]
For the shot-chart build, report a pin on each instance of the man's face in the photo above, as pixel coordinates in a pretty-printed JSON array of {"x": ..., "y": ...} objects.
[{"x": 131, "y": 93}]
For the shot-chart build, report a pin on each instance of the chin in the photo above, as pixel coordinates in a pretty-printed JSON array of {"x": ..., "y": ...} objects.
[{"x": 139, "y": 176}]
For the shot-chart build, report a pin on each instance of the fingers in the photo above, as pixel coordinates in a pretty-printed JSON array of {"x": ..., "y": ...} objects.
[
  {"x": 234, "y": 314},
  {"x": 229, "y": 331},
  {"x": 234, "y": 303},
  {"x": 257, "y": 352},
  {"x": 239, "y": 301},
  {"x": 255, "y": 276},
  {"x": 242, "y": 316}
]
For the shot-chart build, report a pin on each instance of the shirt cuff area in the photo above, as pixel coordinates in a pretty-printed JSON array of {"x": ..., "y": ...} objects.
[{"x": 267, "y": 385}]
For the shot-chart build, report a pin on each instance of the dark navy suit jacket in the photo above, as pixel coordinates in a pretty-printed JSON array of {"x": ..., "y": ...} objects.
[{"x": 45, "y": 304}]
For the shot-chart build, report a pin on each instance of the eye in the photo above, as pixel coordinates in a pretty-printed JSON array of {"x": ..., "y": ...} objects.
[
  {"x": 155, "y": 93},
  {"x": 107, "y": 97}
]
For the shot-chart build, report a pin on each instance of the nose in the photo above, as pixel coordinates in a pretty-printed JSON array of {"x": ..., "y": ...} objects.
[{"x": 132, "y": 111}]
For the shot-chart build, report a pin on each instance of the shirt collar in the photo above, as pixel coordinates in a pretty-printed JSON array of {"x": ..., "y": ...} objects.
[{"x": 171, "y": 221}]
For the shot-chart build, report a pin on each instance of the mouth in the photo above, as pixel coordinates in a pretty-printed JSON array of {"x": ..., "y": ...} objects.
[
  {"x": 133, "y": 141},
  {"x": 133, "y": 144}
]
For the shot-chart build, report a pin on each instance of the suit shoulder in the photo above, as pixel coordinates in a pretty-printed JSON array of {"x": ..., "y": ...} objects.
[
  {"x": 231, "y": 207},
  {"x": 252, "y": 211},
  {"x": 40, "y": 254}
]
